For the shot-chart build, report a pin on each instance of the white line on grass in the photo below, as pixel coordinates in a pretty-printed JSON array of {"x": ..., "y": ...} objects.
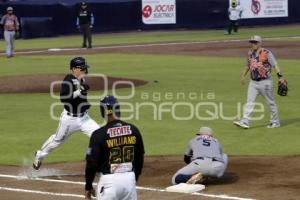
[
  {"x": 138, "y": 187},
  {"x": 147, "y": 45},
  {"x": 41, "y": 192}
]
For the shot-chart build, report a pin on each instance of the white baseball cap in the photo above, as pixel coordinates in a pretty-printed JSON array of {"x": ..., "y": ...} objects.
[
  {"x": 255, "y": 38},
  {"x": 205, "y": 131},
  {"x": 9, "y": 8}
]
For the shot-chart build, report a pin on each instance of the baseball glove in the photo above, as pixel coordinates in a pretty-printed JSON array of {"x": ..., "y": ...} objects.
[
  {"x": 282, "y": 88},
  {"x": 17, "y": 35}
]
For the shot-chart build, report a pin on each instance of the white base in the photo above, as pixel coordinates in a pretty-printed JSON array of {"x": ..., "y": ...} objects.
[{"x": 185, "y": 188}]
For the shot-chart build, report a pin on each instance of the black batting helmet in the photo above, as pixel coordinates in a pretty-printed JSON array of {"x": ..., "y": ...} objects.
[
  {"x": 78, "y": 62},
  {"x": 109, "y": 105}
]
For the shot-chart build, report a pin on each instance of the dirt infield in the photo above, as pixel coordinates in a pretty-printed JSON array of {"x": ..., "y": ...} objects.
[
  {"x": 231, "y": 48},
  {"x": 261, "y": 177},
  {"x": 266, "y": 178},
  {"x": 42, "y": 83}
]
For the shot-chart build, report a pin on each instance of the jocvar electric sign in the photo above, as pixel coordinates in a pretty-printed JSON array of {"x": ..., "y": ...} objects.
[{"x": 159, "y": 11}]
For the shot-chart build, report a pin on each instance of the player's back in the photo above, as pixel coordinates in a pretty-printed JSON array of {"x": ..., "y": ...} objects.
[
  {"x": 121, "y": 148},
  {"x": 205, "y": 146}
]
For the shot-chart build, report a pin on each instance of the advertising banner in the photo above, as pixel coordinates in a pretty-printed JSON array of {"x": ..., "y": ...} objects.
[
  {"x": 263, "y": 8},
  {"x": 159, "y": 11}
]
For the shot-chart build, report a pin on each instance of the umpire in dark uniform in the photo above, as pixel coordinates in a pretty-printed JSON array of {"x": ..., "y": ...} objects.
[
  {"x": 116, "y": 151},
  {"x": 85, "y": 22}
]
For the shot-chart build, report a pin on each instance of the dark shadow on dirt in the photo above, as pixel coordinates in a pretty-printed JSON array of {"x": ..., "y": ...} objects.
[
  {"x": 42, "y": 83},
  {"x": 228, "y": 178}
]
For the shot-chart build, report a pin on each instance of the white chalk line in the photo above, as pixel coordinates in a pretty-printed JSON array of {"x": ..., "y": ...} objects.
[
  {"x": 41, "y": 192},
  {"x": 146, "y": 45},
  {"x": 82, "y": 183}
]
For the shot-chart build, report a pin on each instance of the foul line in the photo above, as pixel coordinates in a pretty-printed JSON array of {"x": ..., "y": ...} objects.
[
  {"x": 41, "y": 192},
  {"x": 82, "y": 183},
  {"x": 145, "y": 45}
]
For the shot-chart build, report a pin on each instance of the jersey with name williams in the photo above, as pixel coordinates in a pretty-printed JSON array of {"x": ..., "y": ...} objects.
[
  {"x": 115, "y": 148},
  {"x": 73, "y": 104}
]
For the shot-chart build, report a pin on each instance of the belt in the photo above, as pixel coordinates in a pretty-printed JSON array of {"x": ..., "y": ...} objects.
[
  {"x": 259, "y": 79},
  {"x": 202, "y": 158},
  {"x": 76, "y": 114}
]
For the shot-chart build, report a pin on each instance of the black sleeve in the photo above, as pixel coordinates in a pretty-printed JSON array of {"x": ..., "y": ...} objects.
[
  {"x": 187, "y": 159},
  {"x": 139, "y": 155},
  {"x": 66, "y": 91},
  {"x": 92, "y": 156}
]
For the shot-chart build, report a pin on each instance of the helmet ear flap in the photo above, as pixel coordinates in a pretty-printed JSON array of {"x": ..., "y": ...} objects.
[
  {"x": 102, "y": 111},
  {"x": 110, "y": 106}
]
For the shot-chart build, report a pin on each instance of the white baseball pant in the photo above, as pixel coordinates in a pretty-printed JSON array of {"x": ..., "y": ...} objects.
[
  {"x": 67, "y": 126},
  {"x": 117, "y": 186}
]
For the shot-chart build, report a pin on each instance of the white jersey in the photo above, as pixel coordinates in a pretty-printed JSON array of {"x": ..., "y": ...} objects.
[{"x": 235, "y": 13}]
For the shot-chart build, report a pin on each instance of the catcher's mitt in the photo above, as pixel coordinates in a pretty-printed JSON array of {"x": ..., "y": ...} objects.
[{"x": 282, "y": 88}]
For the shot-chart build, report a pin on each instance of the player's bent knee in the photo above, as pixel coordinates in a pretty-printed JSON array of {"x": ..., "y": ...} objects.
[{"x": 180, "y": 178}]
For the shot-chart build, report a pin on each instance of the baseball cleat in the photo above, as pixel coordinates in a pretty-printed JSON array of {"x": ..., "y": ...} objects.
[
  {"x": 195, "y": 179},
  {"x": 36, "y": 163},
  {"x": 273, "y": 125},
  {"x": 241, "y": 124}
]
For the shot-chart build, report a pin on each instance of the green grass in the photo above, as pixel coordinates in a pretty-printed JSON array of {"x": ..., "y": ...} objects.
[
  {"x": 165, "y": 36},
  {"x": 25, "y": 121}
]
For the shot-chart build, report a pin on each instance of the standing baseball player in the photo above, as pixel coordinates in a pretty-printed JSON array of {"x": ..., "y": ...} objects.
[
  {"x": 234, "y": 14},
  {"x": 74, "y": 117},
  {"x": 204, "y": 158},
  {"x": 116, "y": 151},
  {"x": 11, "y": 25},
  {"x": 260, "y": 63},
  {"x": 85, "y": 22}
]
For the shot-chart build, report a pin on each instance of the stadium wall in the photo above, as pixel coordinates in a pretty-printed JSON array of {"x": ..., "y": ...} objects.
[{"x": 123, "y": 15}]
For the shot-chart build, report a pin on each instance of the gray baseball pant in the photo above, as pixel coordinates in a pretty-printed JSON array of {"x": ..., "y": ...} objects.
[
  {"x": 206, "y": 166},
  {"x": 264, "y": 88},
  {"x": 9, "y": 37}
]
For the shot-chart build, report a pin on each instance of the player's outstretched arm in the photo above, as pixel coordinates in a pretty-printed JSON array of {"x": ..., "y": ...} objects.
[{"x": 244, "y": 74}]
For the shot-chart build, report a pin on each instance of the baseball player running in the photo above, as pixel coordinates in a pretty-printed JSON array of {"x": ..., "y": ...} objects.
[
  {"x": 204, "y": 158},
  {"x": 260, "y": 63},
  {"x": 117, "y": 152},
  {"x": 74, "y": 117}
]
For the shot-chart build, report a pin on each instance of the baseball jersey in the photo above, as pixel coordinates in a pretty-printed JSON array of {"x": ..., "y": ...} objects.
[
  {"x": 235, "y": 13},
  {"x": 260, "y": 64},
  {"x": 204, "y": 146},
  {"x": 10, "y": 22},
  {"x": 85, "y": 17},
  {"x": 73, "y": 104},
  {"x": 115, "y": 148}
]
